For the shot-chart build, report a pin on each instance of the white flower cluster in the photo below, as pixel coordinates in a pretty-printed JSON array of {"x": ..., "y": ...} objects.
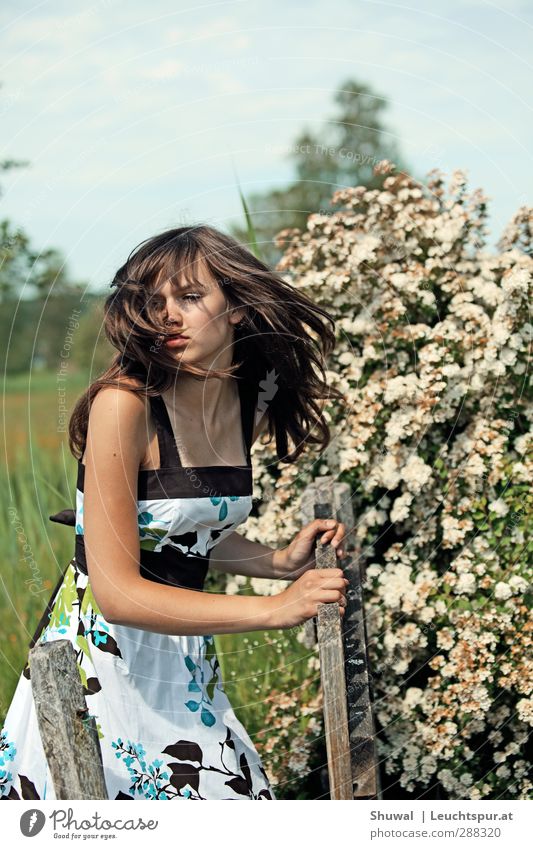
[{"x": 435, "y": 439}]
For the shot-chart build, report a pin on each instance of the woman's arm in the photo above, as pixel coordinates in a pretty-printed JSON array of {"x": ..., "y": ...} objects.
[
  {"x": 172, "y": 610},
  {"x": 240, "y": 556},
  {"x": 116, "y": 441}
]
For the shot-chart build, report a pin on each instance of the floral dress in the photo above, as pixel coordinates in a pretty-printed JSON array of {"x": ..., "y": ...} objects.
[{"x": 166, "y": 727}]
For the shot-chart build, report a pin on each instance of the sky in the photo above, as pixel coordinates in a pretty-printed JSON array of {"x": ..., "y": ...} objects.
[{"x": 137, "y": 117}]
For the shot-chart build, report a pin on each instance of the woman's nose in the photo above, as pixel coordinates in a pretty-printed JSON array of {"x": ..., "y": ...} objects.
[{"x": 172, "y": 314}]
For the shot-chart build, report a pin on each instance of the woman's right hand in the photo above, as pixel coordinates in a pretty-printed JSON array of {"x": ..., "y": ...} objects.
[{"x": 300, "y": 600}]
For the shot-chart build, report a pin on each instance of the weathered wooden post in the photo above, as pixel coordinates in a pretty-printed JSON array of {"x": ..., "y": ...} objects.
[
  {"x": 68, "y": 733},
  {"x": 329, "y": 631},
  {"x": 325, "y": 498}
]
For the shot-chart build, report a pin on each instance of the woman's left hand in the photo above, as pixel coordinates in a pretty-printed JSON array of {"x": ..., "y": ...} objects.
[{"x": 299, "y": 556}]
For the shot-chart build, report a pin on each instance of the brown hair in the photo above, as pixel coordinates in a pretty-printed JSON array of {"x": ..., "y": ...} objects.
[{"x": 285, "y": 337}]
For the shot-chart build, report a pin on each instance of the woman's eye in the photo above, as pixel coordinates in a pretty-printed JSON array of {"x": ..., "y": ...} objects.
[{"x": 191, "y": 298}]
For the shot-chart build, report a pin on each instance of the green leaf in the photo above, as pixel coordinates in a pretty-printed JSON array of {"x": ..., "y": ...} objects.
[
  {"x": 89, "y": 602},
  {"x": 83, "y": 644},
  {"x": 210, "y": 650},
  {"x": 148, "y": 544},
  {"x": 211, "y": 686},
  {"x": 64, "y": 603},
  {"x": 252, "y": 238},
  {"x": 83, "y": 675}
]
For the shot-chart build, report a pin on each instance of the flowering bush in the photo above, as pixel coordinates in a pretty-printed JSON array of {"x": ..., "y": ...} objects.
[{"x": 435, "y": 441}]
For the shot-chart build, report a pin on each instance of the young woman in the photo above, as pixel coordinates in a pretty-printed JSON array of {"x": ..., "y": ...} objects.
[{"x": 163, "y": 441}]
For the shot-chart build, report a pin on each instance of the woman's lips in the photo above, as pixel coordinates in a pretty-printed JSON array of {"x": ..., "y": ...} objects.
[{"x": 176, "y": 341}]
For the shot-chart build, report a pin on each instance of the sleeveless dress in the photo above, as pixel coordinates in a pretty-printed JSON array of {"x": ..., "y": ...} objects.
[{"x": 166, "y": 727}]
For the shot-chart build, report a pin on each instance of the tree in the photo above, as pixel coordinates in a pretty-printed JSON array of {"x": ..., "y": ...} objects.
[
  {"x": 342, "y": 153},
  {"x": 37, "y": 294}
]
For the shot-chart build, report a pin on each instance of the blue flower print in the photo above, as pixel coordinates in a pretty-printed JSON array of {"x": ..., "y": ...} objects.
[
  {"x": 205, "y": 715},
  {"x": 223, "y": 506},
  {"x": 98, "y": 628},
  {"x": 63, "y": 622},
  {"x": 7, "y": 753},
  {"x": 149, "y": 535},
  {"x": 149, "y": 782}
]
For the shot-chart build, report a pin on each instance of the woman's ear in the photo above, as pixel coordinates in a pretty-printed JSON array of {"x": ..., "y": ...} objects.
[{"x": 236, "y": 315}]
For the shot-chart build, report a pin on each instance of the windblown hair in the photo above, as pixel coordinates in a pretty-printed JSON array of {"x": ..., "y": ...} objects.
[{"x": 282, "y": 344}]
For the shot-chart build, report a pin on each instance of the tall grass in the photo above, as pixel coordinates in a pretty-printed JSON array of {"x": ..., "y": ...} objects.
[
  {"x": 34, "y": 550},
  {"x": 253, "y": 244}
]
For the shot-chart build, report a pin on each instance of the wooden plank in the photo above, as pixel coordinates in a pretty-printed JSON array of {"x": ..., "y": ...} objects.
[
  {"x": 365, "y": 769},
  {"x": 68, "y": 732},
  {"x": 329, "y": 632},
  {"x": 334, "y": 693},
  {"x": 365, "y": 773}
]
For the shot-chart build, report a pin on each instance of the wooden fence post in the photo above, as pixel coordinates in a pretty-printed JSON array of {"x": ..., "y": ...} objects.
[
  {"x": 68, "y": 732},
  {"x": 326, "y": 498}
]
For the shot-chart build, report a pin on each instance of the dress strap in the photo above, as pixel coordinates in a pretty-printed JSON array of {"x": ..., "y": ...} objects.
[
  {"x": 248, "y": 395},
  {"x": 169, "y": 455},
  {"x": 168, "y": 450}
]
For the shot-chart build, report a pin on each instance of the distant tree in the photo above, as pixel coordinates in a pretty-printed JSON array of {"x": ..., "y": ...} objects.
[
  {"x": 13, "y": 241},
  {"x": 8, "y": 164},
  {"x": 37, "y": 295},
  {"x": 92, "y": 351},
  {"x": 341, "y": 153},
  {"x": 14, "y": 253}
]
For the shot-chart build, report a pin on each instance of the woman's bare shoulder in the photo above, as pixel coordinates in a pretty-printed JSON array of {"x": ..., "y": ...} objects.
[
  {"x": 122, "y": 394},
  {"x": 118, "y": 418}
]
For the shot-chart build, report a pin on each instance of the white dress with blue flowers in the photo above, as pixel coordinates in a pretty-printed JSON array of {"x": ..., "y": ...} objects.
[{"x": 167, "y": 729}]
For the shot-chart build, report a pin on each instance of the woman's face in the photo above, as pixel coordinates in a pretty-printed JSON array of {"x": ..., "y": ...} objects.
[{"x": 198, "y": 311}]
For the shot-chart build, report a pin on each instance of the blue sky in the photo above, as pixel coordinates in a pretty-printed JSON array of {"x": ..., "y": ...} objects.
[{"x": 133, "y": 115}]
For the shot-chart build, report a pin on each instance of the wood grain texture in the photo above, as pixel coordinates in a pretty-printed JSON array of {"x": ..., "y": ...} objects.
[
  {"x": 68, "y": 732},
  {"x": 329, "y": 633},
  {"x": 360, "y": 714},
  {"x": 324, "y": 495}
]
